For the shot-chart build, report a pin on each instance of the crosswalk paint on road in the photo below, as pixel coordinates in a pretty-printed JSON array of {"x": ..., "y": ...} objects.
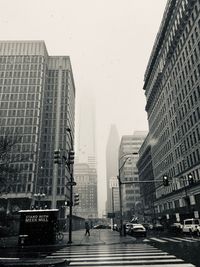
[
  {"x": 171, "y": 239},
  {"x": 118, "y": 255}
]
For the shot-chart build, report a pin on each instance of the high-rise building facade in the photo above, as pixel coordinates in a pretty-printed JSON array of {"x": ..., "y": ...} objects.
[
  {"x": 146, "y": 177},
  {"x": 86, "y": 187},
  {"x": 112, "y": 150},
  {"x": 128, "y": 157},
  {"x": 172, "y": 90},
  {"x": 37, "y": 103}
]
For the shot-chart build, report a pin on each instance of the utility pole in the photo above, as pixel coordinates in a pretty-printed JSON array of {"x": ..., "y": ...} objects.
[
  {"x": 71, "y": 183},
  {"x": 122, "y": 233}
]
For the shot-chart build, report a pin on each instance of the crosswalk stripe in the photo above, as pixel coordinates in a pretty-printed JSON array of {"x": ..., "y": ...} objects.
[
  {"x": 170, "y": 239},
  {"x": 158, "y": 240},
  {"x": 157, "y": 265},
  {"x": 10, "y": 259},
  {"x": 90, "y": 258},
  {"x": 110, "y": 254},
  {"x": 124, "y": 263},
  {"x": 127, "y": 255},
  {"x": 185, "y": 239}
]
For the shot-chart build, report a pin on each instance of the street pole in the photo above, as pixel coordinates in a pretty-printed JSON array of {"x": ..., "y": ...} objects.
[
  {"x": 113, "y": 209},
  {"x": 120, "y": 206},
  {"x": 71, "y": 189},
  {"x": 122, "y": 233}
]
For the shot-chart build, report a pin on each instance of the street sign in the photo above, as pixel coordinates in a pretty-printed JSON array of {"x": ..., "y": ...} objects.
[
  {"x": 71, "y": 183},
  {"x": 110, "y": 215}
]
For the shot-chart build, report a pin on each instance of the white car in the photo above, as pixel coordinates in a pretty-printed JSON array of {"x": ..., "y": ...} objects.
[
  {"x": 128, "y": 226},
  {"x": 137, "y": 230},
  {"x": 191, "y": 225}
]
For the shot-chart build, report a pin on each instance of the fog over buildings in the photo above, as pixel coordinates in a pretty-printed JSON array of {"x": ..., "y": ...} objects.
[{"x": 109, "y": 43}]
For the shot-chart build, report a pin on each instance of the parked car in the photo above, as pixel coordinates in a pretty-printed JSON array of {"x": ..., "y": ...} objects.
[
  {"x": 198, "y": 231},
  {"x": 115, "y": 227},
  {"x": 4, "y": 231},
  {"x": 128, "y": 226},
  {"x": 176, "y": 227},
  {"x": 148, "y": 226},
  {"x": 137, "y": 230},
  {"x": 101, "y": 226},
  {"x": 158, "y": 227},
  {"x": 191, "y": 225}
]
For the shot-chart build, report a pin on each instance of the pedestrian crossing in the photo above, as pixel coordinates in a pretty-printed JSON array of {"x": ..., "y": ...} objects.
[
  {"x": 118, "y": 255},
  {"x": 171, "y": 239}
]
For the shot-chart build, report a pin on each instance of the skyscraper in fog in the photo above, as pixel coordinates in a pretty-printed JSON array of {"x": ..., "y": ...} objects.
[
  {"x": 112, "y": 150},
  {"x": 86, "y": 152},
  {"x": 85, "y": 169},
  {"x": 37, "y": 103}
]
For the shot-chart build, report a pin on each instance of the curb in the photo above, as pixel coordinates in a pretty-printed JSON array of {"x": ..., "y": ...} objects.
[{"x": 32, "y": 262}]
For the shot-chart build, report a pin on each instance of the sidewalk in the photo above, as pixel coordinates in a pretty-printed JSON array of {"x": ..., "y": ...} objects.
[
  {"x": 99, "y": 237},
  {"x": 35, "y": 255}
]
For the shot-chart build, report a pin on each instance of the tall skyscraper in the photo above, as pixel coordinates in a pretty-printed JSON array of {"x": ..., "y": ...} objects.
[
  {"x": 86, "y": 137},
  {"x": 172, "y": 89},
  {"x": 37, "y": 103},
  {"x": 112, "y": 150},
  {"x": 85, "y": 169}
]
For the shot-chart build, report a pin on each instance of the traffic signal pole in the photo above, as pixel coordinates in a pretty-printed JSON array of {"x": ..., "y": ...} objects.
[{"x": 70, "y": 164}]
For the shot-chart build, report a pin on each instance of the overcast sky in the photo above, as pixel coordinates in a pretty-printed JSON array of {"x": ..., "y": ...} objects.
[{"x": 109, "y": 43}]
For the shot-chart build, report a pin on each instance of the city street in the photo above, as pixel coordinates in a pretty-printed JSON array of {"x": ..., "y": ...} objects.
[
  {"x": 150, "y": 251},
  {"x": 105, "y": 247},
  {"x": 185, "y": 247}
]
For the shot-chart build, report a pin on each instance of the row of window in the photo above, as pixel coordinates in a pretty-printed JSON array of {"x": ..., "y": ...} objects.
[
  {"x": 21, "y": 67},
  {"x": 20, "y": 81},
  {"x": 18, "y": 97},
  {"x": 20, "y": 89},
  {"x": 19, "y": 74},
  {"x": 21, "y": 59},
  {"x": 19, "y": 105}
]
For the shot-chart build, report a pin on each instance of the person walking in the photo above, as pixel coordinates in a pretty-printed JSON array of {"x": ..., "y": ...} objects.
[{"x": 87, "y": 229}]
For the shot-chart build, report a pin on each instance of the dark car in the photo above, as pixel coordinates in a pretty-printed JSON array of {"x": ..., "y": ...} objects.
[
  {"x": 101, "y": 226},
  {"x": 4, "y": 231},
  {"x": 158, "y": 227},
  {"x": 148, "y": 226},
  {"x": 175, "y": 228}
]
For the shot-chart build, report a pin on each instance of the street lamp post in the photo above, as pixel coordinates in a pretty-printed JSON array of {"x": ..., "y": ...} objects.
[
  {"x": 122, "y": 233},
  {"x": 71, "y": 184}
]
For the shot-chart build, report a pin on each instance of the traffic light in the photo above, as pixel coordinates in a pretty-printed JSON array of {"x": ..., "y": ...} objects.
[
  {"x": 67, "y": 203},
  {"x": 76, "y": 199},
  {"x": 165, "y": 180},
  {"x": 190, "y": 179},
  {"x": 71, "y": 157},
  {"x": 57, "y": 158}
]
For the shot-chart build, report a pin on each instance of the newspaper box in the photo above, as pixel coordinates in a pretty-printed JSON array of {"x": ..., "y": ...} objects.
[{"x": 38, "y": 227}]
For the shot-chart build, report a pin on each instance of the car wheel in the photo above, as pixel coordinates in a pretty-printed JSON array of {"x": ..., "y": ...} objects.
[{"x": 198, "y": 233}]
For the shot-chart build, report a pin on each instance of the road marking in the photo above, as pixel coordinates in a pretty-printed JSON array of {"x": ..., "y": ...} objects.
[
  {"x": 119, "y": 255},
  {"x": 11, "y": 259},
  {"x": 170, "y": 239},
  {"x": 111, "y": 254},
  {"x": 157, "y": 239},
  {"x": 184, "y": 239},
  {"x": 157, "y": 265},
  {"x": 124, "y": 263}
]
